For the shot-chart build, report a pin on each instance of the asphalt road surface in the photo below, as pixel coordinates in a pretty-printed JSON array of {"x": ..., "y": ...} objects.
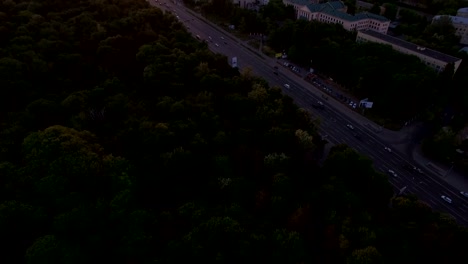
[{"x": 334, "y": 116}]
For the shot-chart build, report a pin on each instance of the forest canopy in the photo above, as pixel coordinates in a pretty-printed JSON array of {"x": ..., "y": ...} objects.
[{"x": 125, "y": 140}]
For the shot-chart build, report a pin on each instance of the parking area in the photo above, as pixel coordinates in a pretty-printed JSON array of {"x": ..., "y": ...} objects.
[
  {"x": 333, "y": 91},
  {"x": 327, "y": 85},
  {"x": 291, "y": 67}
]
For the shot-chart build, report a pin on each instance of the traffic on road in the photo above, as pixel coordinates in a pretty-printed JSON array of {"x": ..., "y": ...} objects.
[{"x": 339, "y": 123}]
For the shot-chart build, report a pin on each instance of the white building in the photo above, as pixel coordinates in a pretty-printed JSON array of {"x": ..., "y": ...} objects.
[
  {"x": 434, "y": 59},
  {"x": 462, "y": 12},
  {"x": 335, "y": 12},
  {"x": 460, "y": 23}
]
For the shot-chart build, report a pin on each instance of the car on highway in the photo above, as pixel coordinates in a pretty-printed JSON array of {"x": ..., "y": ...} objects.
[
  {"x": 418, "y": 170},
  {"x": 335, "y": 119},
  {"x": 393, "y": 173},
  {"x": 388, "y": 149},
  {"x": 216, "y": 44},
  {"x": 287, "y": 86},
  {"x": 350, "y": 126},
  {"x": 464, "y": 194},
  {"x": 222, "y": 38},
  {"x": 357, "y": 136},
  {"x": 446, "y": 198},
  {"x": 319, "y": 105}
]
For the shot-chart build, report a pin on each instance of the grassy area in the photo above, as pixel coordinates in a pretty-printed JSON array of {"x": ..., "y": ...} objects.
[
  {"x": 235, "y": 32},
  {"x": 253, "y": 51},
  {"x": 268, "y": 51},
  {"x": 254, "y": 43}
]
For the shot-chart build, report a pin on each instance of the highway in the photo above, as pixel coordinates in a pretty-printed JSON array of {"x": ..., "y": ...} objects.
[{"x": 334, "y": 117}]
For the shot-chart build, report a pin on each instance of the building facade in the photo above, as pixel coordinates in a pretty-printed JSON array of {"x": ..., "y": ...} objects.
[
  {"x": 460, "y": 23},
  {"x": 335, "y": 12},
  {"x": 434, "y": 59},
  {"x": 462, "y": 12}
]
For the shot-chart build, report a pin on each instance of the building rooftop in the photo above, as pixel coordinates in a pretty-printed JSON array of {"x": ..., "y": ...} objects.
[
  {"x": 300, "y": 2},
  {"x": 364, "y": 15},
  {"x": 332, "y": 8},
  {"x": 411, "y": 46},
  {"x": 455, "y": 19},
  {"x": 463, "y": 10}
]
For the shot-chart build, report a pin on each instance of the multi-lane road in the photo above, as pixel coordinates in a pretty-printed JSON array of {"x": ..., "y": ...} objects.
[{"x": 334, "y": 116}]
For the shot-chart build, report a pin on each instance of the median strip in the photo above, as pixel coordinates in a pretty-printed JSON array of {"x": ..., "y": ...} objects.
[{"x": 254, "y": 52}]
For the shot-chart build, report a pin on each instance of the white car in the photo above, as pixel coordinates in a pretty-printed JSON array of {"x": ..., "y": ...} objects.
[
  {"x": 350, "y": 126},
  {"x": 464, "y": 194},
  {"x": 388, "y": 149},
  {"x": 393, "y": 173},
  {"x": 287, "y": 86},
  {"x": 216, "y": 44},
  {"x": 447, "y": 199},
  {"x": 222, "y": 38}
]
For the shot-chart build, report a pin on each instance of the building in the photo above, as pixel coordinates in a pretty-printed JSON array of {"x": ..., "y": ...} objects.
[
  {"x": 434, "y": 59},
  {"x": 462, "y": 12},
  {"x": 335, "y": 12},
  {"x": 460, "y": 23}
]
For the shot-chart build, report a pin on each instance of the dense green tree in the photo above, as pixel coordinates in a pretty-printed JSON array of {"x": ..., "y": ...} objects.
[
  {"x": 368, "y": 255},
  {"x": 390, "y": 11},
  {"x": 375, "y": 8},
  {"x": 124, "y": 140}
]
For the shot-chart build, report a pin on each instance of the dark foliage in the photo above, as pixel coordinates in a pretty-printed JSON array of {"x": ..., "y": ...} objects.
[{"x": 124, "y": 140}]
